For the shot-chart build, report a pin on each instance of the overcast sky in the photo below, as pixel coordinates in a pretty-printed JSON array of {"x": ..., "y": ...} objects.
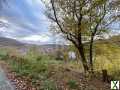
[{"x": 25, "y": 21}]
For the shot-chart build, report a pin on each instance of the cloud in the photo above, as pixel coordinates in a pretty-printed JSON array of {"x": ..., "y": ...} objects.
[
  {"x": 43, "y": 38},
  {"x": 28, "y": 32},
  {"x": 17, "y": 28},
  {"x": 26, "y": 22},
  {"x": 2, "y": 19},
  {"x": 37, "y": 38}
]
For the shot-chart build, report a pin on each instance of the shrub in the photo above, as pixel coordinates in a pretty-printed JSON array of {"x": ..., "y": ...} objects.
[
  {"x": 59, "y": 56},
  {"x": 38, "y": 58},
  {"x": 72, "y": 84}
]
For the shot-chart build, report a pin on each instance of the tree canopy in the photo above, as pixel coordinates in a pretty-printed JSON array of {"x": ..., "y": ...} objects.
[{"x": 82, "y": 20}]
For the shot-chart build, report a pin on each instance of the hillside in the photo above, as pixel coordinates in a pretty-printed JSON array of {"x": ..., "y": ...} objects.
[
  {"x": 10, "y": 42},
  {"x": 52, "y": 74}
]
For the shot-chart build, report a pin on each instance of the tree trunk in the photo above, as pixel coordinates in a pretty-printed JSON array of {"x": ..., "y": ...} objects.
[
  {"x": 84, "y": 61},
  {"x": 91, "y": 54},
  {"x": 105, "y": 75}
]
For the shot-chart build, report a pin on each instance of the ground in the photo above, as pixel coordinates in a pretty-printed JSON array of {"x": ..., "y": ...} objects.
[
  {"x": 4, "y": 82},
  {"x": 62, "y": 76}
]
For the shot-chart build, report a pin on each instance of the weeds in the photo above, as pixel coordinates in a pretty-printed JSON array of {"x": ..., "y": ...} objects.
[
  {"x": 49, "y": 85},
  {"x": 72, "y": 84}
]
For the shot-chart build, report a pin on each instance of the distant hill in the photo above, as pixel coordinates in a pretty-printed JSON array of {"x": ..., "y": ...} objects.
[
  {"x": 10, "y": 42},
  {"x": 51, "y": 47},
  {"x": 115, "y": 39}
]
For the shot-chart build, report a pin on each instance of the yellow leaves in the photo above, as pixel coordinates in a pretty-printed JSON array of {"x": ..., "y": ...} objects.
[
  {"x": 70, "y": 24},
  {"x": 99, "y": 2},
  {"x": 84, "y": 26}
]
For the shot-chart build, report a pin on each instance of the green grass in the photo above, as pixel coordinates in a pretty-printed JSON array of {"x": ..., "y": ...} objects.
[
  {"x": 35, "y": 69},
  {"x": 39, "y": 67},
  {"x": 48, "y": 85},
  {"x": 72, "y": 84}
]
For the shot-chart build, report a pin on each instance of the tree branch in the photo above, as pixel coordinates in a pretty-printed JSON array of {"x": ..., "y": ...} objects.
[
  {"x": 98, "y": 23},
  {"x": 57, "y": 21},
  {"x": 72, "y": 40}
]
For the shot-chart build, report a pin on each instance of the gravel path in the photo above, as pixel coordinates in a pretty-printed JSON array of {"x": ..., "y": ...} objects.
[{"x": 4, "y": 82}]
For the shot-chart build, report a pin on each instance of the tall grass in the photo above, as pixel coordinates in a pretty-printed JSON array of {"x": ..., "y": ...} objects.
[{"x": 108, "y": 57}]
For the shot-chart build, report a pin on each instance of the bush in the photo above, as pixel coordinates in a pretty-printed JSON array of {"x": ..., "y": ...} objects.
[
  {"x": 39, "y": 58},
  {"x": 72, "y": 84},
  {"x": 59, "y": 56}
]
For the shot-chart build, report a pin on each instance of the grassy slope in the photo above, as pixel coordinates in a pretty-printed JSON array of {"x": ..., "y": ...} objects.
[
  {"x": 107, "y": 56},
  {"x": 50, "y": 72}
]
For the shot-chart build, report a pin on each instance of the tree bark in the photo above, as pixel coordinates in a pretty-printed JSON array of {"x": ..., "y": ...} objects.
[
  {"x": 105, "y": 75},
  {"x": 83, "y": 59},
  {"x": 91, "y": 54}
]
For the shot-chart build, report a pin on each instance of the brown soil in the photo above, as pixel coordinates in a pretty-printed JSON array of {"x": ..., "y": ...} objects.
[{"x": 18, "y": 82}]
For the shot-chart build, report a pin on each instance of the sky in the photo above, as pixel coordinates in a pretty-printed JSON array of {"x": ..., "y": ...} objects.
[{"x": 25, "y": 21}]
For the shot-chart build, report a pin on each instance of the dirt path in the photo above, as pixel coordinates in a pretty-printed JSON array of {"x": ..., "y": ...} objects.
[
  {"x": 19, "y": 83},
  {"x": 4, "y": 82}
]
